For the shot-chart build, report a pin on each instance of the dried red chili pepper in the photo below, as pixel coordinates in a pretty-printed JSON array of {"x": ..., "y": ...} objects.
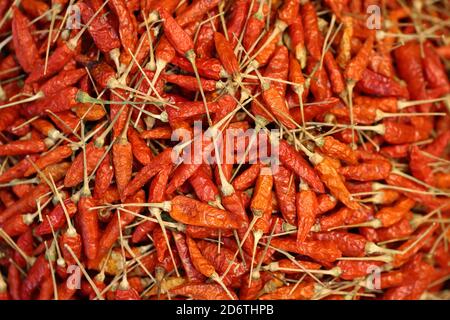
[
  {"x": 22, "y": 38},
  {"x": 306, "y": 205}
]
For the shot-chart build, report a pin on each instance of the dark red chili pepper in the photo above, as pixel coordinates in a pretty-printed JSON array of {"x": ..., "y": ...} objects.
[{"x": 22, "y": 38}]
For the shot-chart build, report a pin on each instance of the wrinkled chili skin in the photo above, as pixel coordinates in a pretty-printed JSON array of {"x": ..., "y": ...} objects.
[
  {"x": 351, "y": 245},
  {"x": 103, "y": 34},
  {"x": 378, "y": 85},
  {"x": 334, "y": 182},
  {"x": 354, "y": 180},
  {"x": 292, "y": 160},
  {"x": 284, "y": 183},
  {"x": 193, "y": 212},
  {"x": 23, "y": 38}
]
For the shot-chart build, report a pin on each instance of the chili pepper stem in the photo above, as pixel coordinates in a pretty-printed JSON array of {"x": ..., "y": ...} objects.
[
  {"x": 12, "y": 244},
  {"x": 2, "y": 94},
  {"x": 257, "y": 235},
  {"x": 381, "y": 115},
  {"x": 375, "y": 223},
  {"x": 372, "y": 248},
  {"x": 420, "y": 238},
  {"x": 218, "y": 279},
  {"x": 114, "y": 54},
  {"x": 138, "y": 260},
  {"x": 60, "y": 260},
  {"x": 404, "y": 175},
  {"x": 279, "y": 28},
  {"x": 37, "y": 96},
  {"x": 83, "y": 270},
  {"x": 17, "y": 182},
  {"x": 406, "y": 104},
  {"x": 417, "y": 221},
  {"x": 350, "y": 85},
  {"x": 256, "y": 274},
  {"x": 3, "y": 285},
  {"x": 244, "y": 238},
  {"x": 382, "y": 258}
]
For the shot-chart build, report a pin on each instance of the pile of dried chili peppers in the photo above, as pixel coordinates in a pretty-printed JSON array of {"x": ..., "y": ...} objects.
[{"x": 101, "y": 104}]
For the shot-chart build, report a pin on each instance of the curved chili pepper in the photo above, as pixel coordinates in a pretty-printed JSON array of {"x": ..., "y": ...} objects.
[
  {"x": 73, "y": 241},
  {"x": 103, "y": 177},
  {"x": 60, "y": 101},
  {"x": 147, "y": 172},
  {"x": 262, "y": 199},
  {"x": 266, "y": 50},
  {"x": 75, "y": 174},
  {"x": 56, "y": 62},
  {"x": 320, "y": 85},
  {"x": 127, "y": 29},
  {"x": 336, "y": 149},
  {"x": 18, "y": 170},
  {"x": 423, "y": 233},
  {"x": 204, "y": 47},
  {"x": 25, "y": 204},
  {"x": 52, "y": 157},
  {"x": 297, "y": 36},
  {"x": 355, "y": 68},
  {"x": 210, "y": 68},
  {"x": 195, "y": 11},
  {"x": 292, "y": 160},
  {"x": 221, "y": 261},
  {"x": 335, "y": 183},
  {"x": 122, "y": 158},
  {"x": 38, "y": 272}
]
